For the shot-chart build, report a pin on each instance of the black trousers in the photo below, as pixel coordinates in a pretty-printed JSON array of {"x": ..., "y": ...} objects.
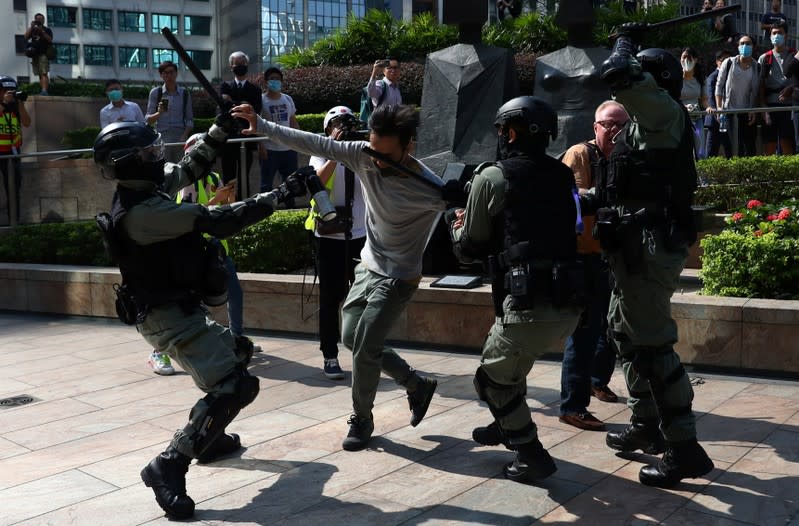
[
  {"x": 335, "y": 266},
  {"x": 5, "y": 166},
  {"x": 230, "y": 164}
]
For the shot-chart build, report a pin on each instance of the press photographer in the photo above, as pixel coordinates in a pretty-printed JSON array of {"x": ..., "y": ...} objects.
[
  {"x": 13, "y": 116},
  {"x": 337, "y": 241},
  {"x": 40, "y": 49}
]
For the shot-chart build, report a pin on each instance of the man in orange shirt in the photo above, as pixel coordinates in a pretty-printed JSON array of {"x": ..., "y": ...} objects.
[{"x": 589, "y": 359}]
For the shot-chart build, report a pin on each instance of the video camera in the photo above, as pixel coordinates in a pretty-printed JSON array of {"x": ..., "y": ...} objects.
[
  {"x": 20, "y": 96},
  {"x": 351, "y": 127}
]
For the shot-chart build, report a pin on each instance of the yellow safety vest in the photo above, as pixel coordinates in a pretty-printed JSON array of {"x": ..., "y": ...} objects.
[
  {"x": 203, "y": 197},
  {"x": 10, "y": 132}
]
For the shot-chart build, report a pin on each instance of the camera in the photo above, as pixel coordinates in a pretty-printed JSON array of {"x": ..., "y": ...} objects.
[
  {"x": 164, "y": 103},
  {"x": 351, "y": 127},
  {"x": 20, "y": 96},
  {"x": 384, "y": 63}
]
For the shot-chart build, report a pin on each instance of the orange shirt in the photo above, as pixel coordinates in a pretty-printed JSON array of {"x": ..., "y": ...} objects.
[{"x": 578, "y": 158}]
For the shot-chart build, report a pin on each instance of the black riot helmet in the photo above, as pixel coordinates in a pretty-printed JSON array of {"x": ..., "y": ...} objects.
[
  {"x": 130, "y": 151},
  {"x": 535, "y": 122},
  {"x": 666, "y": 69}
]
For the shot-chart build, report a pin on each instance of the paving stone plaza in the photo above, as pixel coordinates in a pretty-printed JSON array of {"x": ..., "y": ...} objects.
[{"x": 73, "y": 455}]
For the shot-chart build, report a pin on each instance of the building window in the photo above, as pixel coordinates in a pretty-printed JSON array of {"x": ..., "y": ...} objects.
[
  {"x": 132, "y": 57},
  {"x": 97, "y": 19},
  {"x": 286, "y": 26},
  {"x": 160, "y": 55},
  {"x": 161, "y": 20},
  {"x": 201, "y": 58},
  {"x": 66, "y": 54},
  {"x": 98, "y": 55},
  {"x": 61, "y": 16},
  {"x": 20, "y": 44},
  {"x": 20, "y": 5},
  {"x": 131, "y": 21},
  {"x": 196, "y": 25}
]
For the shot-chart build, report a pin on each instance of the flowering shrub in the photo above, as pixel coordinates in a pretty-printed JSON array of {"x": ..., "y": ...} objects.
[
  {"x": 758, "y": 218},
  {"x": 757, "y": 254}
]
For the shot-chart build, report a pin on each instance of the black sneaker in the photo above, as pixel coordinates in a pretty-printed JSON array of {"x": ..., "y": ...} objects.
[
  {"x": 361, "y": 430},
  {"x": 166, "y": 475},
  {"x": 419, "y": 400},
  {"x": 532, "y": 462},
  {"x": 333, "y": 369},
  {"x": 222, "y": 446}
]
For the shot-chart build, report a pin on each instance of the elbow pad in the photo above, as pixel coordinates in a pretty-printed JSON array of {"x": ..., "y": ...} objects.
[
  {"x": 224, "y": 221},
  {"x": 200, "y": 158}
]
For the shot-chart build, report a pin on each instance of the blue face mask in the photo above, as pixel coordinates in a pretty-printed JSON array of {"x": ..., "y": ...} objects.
[
  {"x": 274, "y": 85},
  {"x": 115, "y": 95},
  {"x": 745, "y": 50},
  {"x": 778, "y": 39}
]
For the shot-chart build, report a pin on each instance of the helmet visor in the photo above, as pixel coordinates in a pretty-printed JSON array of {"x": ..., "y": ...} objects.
[{"x": 152, "y": 153}]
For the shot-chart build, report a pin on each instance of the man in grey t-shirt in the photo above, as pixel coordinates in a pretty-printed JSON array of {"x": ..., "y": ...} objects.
[{"x": 401, "y": 212}]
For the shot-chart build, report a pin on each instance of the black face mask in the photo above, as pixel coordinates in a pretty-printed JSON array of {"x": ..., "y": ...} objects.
[{"x": 240, "y": 70}]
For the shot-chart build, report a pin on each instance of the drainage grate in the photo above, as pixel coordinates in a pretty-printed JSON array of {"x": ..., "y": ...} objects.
[{"x": 16, "y": 401}]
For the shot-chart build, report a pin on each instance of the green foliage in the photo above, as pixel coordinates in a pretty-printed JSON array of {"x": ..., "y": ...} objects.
[
  {"x": 277, "y": 245},
  {"x": 695, "y": 35},
  {"x": 529, "y": 33},
  {"x": 312, "y": 122},
  {"x": 730, "y": 184},
  {"x": 54, "y": 243},
  {"x": 81, "y": 88},
  {"x": 757, "y": 254},
  {"x": 746, "y": 266},
  {"x": 377, "y": 35}
]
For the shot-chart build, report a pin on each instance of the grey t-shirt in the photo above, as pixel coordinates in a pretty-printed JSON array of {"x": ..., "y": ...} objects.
[{"x": 401, "y": 211}]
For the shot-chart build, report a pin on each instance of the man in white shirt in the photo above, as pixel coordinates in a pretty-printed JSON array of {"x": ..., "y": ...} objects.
[
  {"x": 118, "y": 110},
  {"x": 385, "y": 91}
]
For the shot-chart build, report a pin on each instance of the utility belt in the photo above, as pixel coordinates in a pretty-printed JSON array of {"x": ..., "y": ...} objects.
[
  {"x": 527, "y": 283},
  {"x": 630, "y": 234},
  {"x": 133, "y": 305}
]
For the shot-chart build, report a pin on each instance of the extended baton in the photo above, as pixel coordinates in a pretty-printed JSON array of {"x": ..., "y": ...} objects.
[
  {"x": 401, "y": 167},
  {"x": 184, "y": 56}
]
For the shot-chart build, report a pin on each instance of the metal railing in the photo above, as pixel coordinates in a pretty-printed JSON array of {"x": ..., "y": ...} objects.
[{"x": 242, "y": 179}]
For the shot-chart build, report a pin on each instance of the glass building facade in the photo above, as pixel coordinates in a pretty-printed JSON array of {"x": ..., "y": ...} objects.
[{"x": 287, "y": 25}]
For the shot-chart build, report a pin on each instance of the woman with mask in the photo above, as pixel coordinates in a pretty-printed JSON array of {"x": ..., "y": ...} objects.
[
  {"x": 280, "y": 109},
  {"x": 693, "y": 95},
  {"x": 737, "y": 87}
]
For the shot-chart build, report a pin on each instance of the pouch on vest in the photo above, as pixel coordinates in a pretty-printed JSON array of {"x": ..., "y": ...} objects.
[
  {"x": 128, "y": 310},
  {"x": 568, "y": 284},
  {"x": 214, "y": 288},
  {"x": 606, "y": 229}
]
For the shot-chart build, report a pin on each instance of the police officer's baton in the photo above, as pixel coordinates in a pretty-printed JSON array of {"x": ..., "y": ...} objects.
[
  {"x": 696, "y": 17},
  {"x": 397, "y": 166},
  {"x": 184, "y": 56}
]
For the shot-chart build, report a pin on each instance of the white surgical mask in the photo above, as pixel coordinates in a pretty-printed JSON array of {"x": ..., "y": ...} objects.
[
  {"x": 778, "y": 39},
  {"x": 687, "y": 64}
]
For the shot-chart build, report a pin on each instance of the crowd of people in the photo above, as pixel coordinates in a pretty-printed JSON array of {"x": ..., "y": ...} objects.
[{"x": 596, "y": 276}]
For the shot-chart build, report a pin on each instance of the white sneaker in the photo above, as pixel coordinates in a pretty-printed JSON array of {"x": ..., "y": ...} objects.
[{"x": 161, "y": 363}]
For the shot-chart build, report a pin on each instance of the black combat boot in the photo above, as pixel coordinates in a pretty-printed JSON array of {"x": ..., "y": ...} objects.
[
  {"x": 682, "y": 460},
  {"x": 490, "y": 435},
  {"x": 166, "y": 475},
  {"x": 419, "y": 399},
  {"x": 224, "y": 445},
  {"x": 640, "y": 434},
  {"x": 532, "y": 462}
]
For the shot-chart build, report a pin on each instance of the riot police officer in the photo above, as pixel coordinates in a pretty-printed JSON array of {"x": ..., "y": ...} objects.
[
  {"x": 520, "y": 217},
  {"x": 645, "y": 224},
  {"x": 169, "y": 271}
]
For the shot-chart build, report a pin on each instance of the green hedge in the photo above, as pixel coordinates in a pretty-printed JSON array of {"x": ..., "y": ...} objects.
[
  {"x": 276, "y": 245},
  {"x": 730, "y": 184},
  {"x": 757, "y": 254}
]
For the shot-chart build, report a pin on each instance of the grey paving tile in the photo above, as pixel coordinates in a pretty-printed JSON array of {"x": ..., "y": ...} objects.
[
  {"x": 49, "y": 493},
  {"x": 9, "y": 448},
  {"x": 36, "y": 414}
]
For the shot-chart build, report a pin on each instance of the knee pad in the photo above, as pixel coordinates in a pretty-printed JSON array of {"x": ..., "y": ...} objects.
[
  {"x": 482, "y": 382},
  {"x": 247, "y": 389}
]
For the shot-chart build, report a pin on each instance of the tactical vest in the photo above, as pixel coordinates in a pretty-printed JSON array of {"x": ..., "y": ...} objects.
[
  {"x": 661, "y": 180},
  {"x": 536, "y": 229},
  {"x": 174, "y": 270}
]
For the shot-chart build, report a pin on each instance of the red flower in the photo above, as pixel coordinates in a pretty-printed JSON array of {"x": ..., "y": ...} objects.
[
  {"x": 771, "y": 217},
  {"x": 785, "y": 213},
  {"x": 758, "y": 233},
  {"x": 737, "y": 216},
  {"x": 754, "y": 203}
]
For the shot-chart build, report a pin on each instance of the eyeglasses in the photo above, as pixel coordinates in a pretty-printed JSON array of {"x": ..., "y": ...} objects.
[
  {"x": 609, "y": 125},
  {"x": 392, "y": 67}
]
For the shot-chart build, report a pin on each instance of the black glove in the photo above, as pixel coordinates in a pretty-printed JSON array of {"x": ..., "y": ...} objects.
[
  {"x": 633, "y": 31},
  {"x": 621, "y": 67},
  {"x": 225, "y": 120},
  {"x": 293, "y": 186},
  {"x": 453, "y": 193}
]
